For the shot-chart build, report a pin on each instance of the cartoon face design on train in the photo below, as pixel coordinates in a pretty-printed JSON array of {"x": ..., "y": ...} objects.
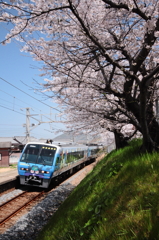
[{"x": 34, "y": 170}]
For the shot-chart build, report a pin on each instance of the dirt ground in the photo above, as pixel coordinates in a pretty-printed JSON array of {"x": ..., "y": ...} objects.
[{"x": 6, "y": 169}]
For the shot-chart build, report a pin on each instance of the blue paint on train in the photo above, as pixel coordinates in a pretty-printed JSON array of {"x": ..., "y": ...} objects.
[{"x": 39, "y": 161}]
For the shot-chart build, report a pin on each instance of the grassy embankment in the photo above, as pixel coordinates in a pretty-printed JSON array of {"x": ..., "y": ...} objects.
[{"x": 118, "y": 200}]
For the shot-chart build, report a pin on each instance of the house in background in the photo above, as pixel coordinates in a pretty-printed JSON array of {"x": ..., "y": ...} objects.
[
  {"x": 10, "y": 149},
  {"x": 5, "y": 149}
]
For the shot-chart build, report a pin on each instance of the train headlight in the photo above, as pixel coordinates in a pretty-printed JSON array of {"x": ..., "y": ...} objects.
[
  {"x": 45, "y": 172},
  {"x": 32, "y": 171},
  {"x": 36, "y": 172},
  {"x": 25, "y": 169}
]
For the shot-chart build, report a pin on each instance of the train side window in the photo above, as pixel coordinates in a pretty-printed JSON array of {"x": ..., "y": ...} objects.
[
  {"x": 58, "y": 161},
  {"x": 73, "y": 156}
]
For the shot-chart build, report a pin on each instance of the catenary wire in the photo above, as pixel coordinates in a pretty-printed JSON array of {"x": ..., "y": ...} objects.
[
  {"x": 28, "y": 94},
  {"x": 19, "y": 100},
  {"x": 12, "y": 110},
  {"x": 19, "y": 105},
  {"x": 14, "y": 105}
]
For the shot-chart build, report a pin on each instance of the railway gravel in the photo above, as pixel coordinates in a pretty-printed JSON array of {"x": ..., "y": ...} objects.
[
  {"x": 9, "y": 195},
  {"x": 28, "y": 226}
]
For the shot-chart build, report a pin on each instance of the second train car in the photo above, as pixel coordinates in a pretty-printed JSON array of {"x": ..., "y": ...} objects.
[{"x": 40, "y": 162}]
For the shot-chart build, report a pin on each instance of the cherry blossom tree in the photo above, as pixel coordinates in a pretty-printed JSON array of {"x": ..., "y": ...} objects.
[
  {"x": 95, "y": 113},
  {"x": 101, "y": 55}
]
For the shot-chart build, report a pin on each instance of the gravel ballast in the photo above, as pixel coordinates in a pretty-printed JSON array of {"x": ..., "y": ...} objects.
[{"x": 29, "y": 226}]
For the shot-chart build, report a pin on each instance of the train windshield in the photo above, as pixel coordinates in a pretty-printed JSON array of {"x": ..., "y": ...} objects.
[{"x": 40, "y": 154}]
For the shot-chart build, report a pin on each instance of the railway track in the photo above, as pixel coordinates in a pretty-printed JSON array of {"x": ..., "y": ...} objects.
[
  {"x": 10, "y": 210},
  {"x": 14, "y": 208}
]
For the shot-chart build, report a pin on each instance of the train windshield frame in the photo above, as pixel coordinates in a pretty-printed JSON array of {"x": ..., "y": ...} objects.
[{"x": 39, "y": 154}]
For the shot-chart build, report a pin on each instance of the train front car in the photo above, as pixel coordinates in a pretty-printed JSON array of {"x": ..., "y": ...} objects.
[{"x": 36, "y": 164}]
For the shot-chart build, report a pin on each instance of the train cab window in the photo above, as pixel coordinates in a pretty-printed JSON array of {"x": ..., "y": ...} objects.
[
  {"x": 36, "y": 153},
  {"x": 30, "y": 154},
  {"x": 46, "y": 156}
]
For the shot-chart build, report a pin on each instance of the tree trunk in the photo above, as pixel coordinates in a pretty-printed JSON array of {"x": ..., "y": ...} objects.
[
  {"x": 120, "y": 141},
  {"x": 149, "y": 125}
]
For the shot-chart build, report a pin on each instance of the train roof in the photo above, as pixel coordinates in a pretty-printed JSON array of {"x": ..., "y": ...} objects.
[{"x": 63, "y": 146}]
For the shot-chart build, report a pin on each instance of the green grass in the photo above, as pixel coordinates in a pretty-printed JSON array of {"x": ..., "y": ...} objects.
[
  {"x": 118, "y": 200},
  {"x": 13, "y": 166}
]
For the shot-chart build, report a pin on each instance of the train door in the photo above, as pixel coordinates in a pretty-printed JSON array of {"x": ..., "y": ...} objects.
[
  {"x": 89, "y": 152},
  {"x": 59, "y": 161}
]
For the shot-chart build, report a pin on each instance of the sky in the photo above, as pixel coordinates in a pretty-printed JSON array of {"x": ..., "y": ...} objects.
[{"x": 18, "y": 76}]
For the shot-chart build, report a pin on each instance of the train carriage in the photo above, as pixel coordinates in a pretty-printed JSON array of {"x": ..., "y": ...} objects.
[{"x": 40, "y": 162}]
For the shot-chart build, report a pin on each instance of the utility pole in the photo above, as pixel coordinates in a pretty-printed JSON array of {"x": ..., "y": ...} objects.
[{"x": 28, "y": 129}]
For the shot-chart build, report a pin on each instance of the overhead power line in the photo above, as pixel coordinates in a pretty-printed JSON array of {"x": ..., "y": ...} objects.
[
  {"x": 16, "y": 99},
  {"x": 24, "y": 114},
  {"x": 20, "y": 101},
  {"x": 12, "y": 110},
  {"x": 29, "y": 94},
  {"x": 13, "y": 103}
]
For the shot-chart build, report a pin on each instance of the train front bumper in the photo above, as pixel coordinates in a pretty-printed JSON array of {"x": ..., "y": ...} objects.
[
  {"x": 34, "y": 178},
  {"x": 34, "y": 181}
]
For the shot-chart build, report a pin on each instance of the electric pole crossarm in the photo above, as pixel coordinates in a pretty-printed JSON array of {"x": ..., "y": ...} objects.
[{"x": 28, "y": 127}]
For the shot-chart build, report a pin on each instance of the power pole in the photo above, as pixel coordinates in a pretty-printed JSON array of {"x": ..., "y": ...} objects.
[{"x": 28, "y": 127}]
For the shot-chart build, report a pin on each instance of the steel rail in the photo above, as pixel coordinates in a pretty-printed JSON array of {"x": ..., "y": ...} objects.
[{"x": 20, "y": 208}]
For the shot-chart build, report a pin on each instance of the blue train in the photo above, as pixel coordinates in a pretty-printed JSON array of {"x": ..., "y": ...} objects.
[{"x": 40, "y": 162}]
